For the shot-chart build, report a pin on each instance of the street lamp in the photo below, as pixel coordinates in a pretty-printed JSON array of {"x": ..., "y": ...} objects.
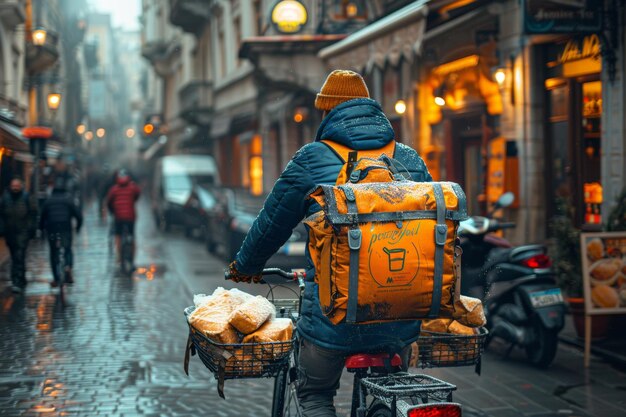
[
  {"x": 54, "y": 101},
  {"x": 80, "y": 129},
  {"x": 130, "y": 132},
  {"x": 100, "y": 132},
  {"x": 39, "y": 36},
  {"x": 88, "y": 135}
]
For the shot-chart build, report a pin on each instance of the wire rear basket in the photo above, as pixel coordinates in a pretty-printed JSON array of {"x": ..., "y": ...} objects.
[
  {"x": 240, "y": 360},
  {"x": 404, "y": 385},
  {"x": 445, "y": 349}
]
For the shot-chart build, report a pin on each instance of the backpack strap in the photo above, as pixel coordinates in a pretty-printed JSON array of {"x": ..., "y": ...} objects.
[{"x": 342, "y": 151}]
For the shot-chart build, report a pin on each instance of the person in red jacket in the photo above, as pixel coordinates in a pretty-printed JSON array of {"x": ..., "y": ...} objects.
[{"x": 121, "y": 200}]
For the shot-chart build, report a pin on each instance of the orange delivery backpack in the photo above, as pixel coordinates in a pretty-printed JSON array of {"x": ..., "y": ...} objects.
[{"x": 383, "y": 246}]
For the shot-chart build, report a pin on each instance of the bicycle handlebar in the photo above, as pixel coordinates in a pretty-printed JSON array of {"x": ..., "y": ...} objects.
[{"x": 296, "y": 275}]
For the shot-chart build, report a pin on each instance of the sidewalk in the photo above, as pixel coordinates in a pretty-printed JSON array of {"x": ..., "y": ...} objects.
[{"x": 611, "y": 349}]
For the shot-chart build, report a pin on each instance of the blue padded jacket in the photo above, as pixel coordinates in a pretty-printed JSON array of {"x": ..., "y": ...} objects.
[{"x": 359, "y": 124}]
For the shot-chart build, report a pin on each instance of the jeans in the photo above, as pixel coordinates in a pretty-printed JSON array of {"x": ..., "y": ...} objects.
[
  {"x": 319, "y": 372},
  {"x": 17, "y": 248},
  {"x": 66, "y": 244}
]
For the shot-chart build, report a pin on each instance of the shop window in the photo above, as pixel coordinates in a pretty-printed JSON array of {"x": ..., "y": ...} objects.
[
  {"x": 591, "y": 168},
  {"x": 256, "y": 165}
]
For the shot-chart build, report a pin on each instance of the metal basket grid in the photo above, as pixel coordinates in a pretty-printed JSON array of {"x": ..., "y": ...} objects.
[
  {"x": 446, "y": 350},
  {"x": 404, "y": 385},
  {"x": 240, "y": 360}
]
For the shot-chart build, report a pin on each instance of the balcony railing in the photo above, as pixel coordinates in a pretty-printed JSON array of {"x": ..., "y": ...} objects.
[
  {"x": 196, "y": 102},
  {"x": 190, "y": 15},
  {"x": 160, "y": 53}
]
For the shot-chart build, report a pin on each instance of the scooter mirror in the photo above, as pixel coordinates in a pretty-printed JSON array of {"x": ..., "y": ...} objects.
[{"x": 505, "y": 200}]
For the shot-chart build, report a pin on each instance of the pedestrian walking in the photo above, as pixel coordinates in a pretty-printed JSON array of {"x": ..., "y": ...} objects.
[
  {"x": 18, "y": 217},
  {"x": 56, "y": 219},
  {"x": 120, "y": 200}
]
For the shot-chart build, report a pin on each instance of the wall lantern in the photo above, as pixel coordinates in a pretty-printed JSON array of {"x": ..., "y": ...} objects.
[
  {"x": 400, "y": 106},
  {"x": 500, "y": 76},
  {"x": 54, "y": 101},
  {"x": 39, "y": 36},
  {"x": 439, "y": 94}
]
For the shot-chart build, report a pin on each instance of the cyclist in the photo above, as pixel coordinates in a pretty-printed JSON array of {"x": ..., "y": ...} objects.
[
  {"x": 121, "y": 200},
  {"x": 56, "y": 219},
  {"x": 353, "y": 119}
]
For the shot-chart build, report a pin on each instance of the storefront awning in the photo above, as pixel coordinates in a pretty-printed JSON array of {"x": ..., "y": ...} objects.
[
  {"x": 11, "y": 137},
  {"x": 397, "y": 35}
]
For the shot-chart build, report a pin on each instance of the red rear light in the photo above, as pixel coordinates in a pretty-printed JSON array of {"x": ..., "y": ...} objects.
[
  {"x": 538, "y": 262},
  {"x": 436, "y": 410}
]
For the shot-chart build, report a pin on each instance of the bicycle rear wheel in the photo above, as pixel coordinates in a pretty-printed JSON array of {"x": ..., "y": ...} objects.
[{"x": 127, "y": 254}]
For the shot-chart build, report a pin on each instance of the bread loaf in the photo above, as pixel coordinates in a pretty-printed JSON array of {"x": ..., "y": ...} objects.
[
  {"x": 276, "y": 330},
  {"x": 243, "y": 363},
  {"x": 469, "y": 312},
  {"x": 436, "y": 325},
  {"x": 457, "y": 328},
  {"x": 250, "y": 315},
  {"x": 212, "y": 320}
]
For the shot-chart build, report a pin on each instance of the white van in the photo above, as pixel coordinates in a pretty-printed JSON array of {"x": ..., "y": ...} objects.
[{"x": 174, "y": 179}]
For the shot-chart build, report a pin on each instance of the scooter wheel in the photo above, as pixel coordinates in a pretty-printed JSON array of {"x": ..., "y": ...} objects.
[{"x": 542, "y": 350}]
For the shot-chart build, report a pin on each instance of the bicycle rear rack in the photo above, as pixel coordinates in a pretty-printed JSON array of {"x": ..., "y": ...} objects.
[{"x": 402, "y": 390}]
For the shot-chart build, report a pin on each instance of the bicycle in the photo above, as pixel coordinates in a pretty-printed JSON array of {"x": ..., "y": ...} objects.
[
  {"x": 60, "y": 265},
  {"x": 391, "y": 392},
  {"x": 126, "y": 251}
]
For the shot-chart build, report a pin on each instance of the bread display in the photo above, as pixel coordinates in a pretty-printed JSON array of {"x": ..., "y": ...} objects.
[
  {"x": 605, "y": 296},
  {"x": 469, "y": 312},
  {"x": 606, "y": 270},
  {"x": 251, "y": 315},
  {"x": 276, "y": 330},
  {"x": 595, "y": 249}
]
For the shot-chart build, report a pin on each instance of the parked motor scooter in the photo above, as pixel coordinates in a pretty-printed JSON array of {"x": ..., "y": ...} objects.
[{"x": 517, "y": 285}]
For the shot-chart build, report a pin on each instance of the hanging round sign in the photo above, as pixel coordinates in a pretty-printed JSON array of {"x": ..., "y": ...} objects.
[{"x": 289, "y": 16}]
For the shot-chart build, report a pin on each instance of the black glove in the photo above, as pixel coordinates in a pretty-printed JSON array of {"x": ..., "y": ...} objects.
[{"x": 236, "y": 276}]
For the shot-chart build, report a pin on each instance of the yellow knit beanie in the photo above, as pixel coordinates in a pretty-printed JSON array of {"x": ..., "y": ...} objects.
[{"x": 340, "y": 86}]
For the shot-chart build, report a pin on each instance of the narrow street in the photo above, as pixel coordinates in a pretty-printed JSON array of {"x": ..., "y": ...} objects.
[{"x": 117, "y": 349}]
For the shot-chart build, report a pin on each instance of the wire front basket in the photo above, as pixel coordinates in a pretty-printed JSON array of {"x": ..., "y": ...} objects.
[
  {"x": 445, "y": 349},
  {"x": 241, "y": 360}
]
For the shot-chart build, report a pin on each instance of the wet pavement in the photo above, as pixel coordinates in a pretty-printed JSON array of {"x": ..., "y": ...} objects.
[{"x": 117, "y": 348}]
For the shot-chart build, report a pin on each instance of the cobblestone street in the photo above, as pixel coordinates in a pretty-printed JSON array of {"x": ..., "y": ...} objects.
[{"x": 117, "y": 348}]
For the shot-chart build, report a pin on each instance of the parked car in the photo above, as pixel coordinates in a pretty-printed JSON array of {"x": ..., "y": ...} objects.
[
  {"x": 174, "y": 180},
  {"x": 229, "y": 215}
]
